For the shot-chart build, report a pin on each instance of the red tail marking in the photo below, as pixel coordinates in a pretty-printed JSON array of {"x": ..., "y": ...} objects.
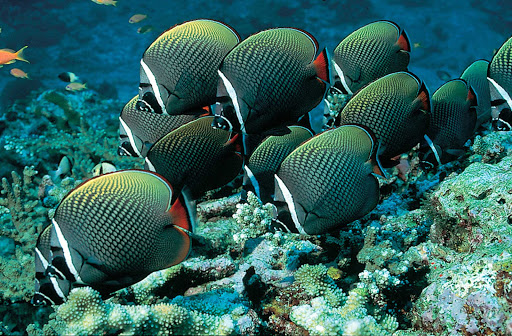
[
  {"x": 322, "y": 66},
  {"x": 180, "y": 215}
]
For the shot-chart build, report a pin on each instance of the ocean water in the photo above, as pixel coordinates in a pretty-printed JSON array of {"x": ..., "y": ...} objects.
[{"x": 238, "y": 282}]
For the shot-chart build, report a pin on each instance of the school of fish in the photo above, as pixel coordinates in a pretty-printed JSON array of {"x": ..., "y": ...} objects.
[{"x": 212, "y": 106}]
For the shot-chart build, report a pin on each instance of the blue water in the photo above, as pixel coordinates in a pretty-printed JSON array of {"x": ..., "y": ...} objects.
[{"x": 97, "y": 43}]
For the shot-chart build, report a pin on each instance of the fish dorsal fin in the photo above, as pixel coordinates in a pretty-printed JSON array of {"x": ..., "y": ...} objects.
[
  {"x": 8, "y": 50},
  {"x": 322, "y": 66},
  {"x": 183, "y": 212}
]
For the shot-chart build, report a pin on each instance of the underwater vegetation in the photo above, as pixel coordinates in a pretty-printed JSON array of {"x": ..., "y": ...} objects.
[{"x": 395, "y": 220}]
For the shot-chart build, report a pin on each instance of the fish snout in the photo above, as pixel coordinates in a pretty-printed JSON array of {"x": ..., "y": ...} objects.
[{"x": 221, "y": 122}]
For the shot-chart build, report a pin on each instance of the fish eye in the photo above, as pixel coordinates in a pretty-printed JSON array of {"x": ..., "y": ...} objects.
[
  {"x": 141, "y": 105},
  {"x": 150, "y": 100}
]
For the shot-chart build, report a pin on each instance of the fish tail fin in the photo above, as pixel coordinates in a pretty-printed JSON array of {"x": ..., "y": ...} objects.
[
  {"x": 322, "y": 63},
  {"x": 19, "y": 55},
  {"x": 184, "y": 212},
  {"x": 472, "y": 96},
  {"x": 114, "y": 3}
]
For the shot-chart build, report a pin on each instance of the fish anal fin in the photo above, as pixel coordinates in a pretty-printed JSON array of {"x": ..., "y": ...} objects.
[{"x": 322, "y": 66}]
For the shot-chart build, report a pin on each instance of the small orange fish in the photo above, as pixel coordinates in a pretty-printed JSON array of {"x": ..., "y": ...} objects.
[
  {"x": 145, "y": 29},
  {"x": 137, "y": 18},
  {"x": 105, "y": 2},
  {"x": 18, "y": 73},
  {"x": 8, "y": 56},
  {"x": 76, "y": 86}
]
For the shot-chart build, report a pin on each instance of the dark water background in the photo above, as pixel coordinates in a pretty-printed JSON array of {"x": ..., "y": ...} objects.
[{"x": 97, "y": 43}]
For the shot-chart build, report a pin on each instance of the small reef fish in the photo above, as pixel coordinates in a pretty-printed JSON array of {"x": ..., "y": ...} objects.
[
  {"x": 196, "y": 156},
  {"x": 500, "y": 85},
  {"x": 145, "y": 29},
  {"x": 178, "y": 73},
  {"x": 140, "y": 129},
  {"x": 370, "y": 52},
  {"x": 443, "y": 75},
  {"x": 65, "y": 166},
  {"x": 82, "y": 245},
  {"x": 328, "y": 181},
  {"x": 476, "y": 76},
  {"x": 8, "y": 56},
  {"x": 76, "y": 86},
  {"x": 105, "y": 2},
  {"x": 266, "y": 159},
  {"x": 68, "y": 77},
  {"x": 18, "y": 73},
  {"x": 103, "y": 168},
  {"x": 396, "y": 108},
  {"x": 137, "y": 18},
  {"x": 269, "y": 81},
  {"x": 452, "y": 122}
]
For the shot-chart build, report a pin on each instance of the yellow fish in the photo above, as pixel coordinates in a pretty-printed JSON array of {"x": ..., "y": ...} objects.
[
  {"x": 18, "y": 73},
  {"x": 137, "y": 18},
  {"x": 105, "y": 2},
  {"x": 76, "y": 86}
]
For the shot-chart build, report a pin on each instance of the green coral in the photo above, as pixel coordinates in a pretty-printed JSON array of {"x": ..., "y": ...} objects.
[
  {"x": 22, "y": 219},
  {"x": 85, "y": 313},
  {"x": 316, "y": 282}
]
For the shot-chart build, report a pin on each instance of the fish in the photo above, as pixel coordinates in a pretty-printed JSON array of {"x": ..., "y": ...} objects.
[
  {"x": 452, "y": 122},
  {"x": 370, "y": 52},
  {"x": 499, "y": 76},
  {"x": 196, "y": 156},
  {"x": 476, "y": 76},
  {"x": 178, "y": 73},
  {"x": 145, "y": 29},
  {"x": 103, "y": 168},
  {"x": 443, "y": 75},
  {"x": 9, "y": 56},
  {"x": 270, "y": 80},
  {"x": 76, "y": 86},
  {"x": 396, "y": 108},
  {"x": 110, "y": 232},
  {"x": 18, "y": 73},
  {"x": 328, "y": 181},
  {"x": 105, "y": 2},
  {"x": 267, "y": 157},
  {"x": 140, "y": 129},
  {"x": 65, "y": 167},
  {"x": 137, "y": 18},
  {"x": 68, "y": 77}
]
